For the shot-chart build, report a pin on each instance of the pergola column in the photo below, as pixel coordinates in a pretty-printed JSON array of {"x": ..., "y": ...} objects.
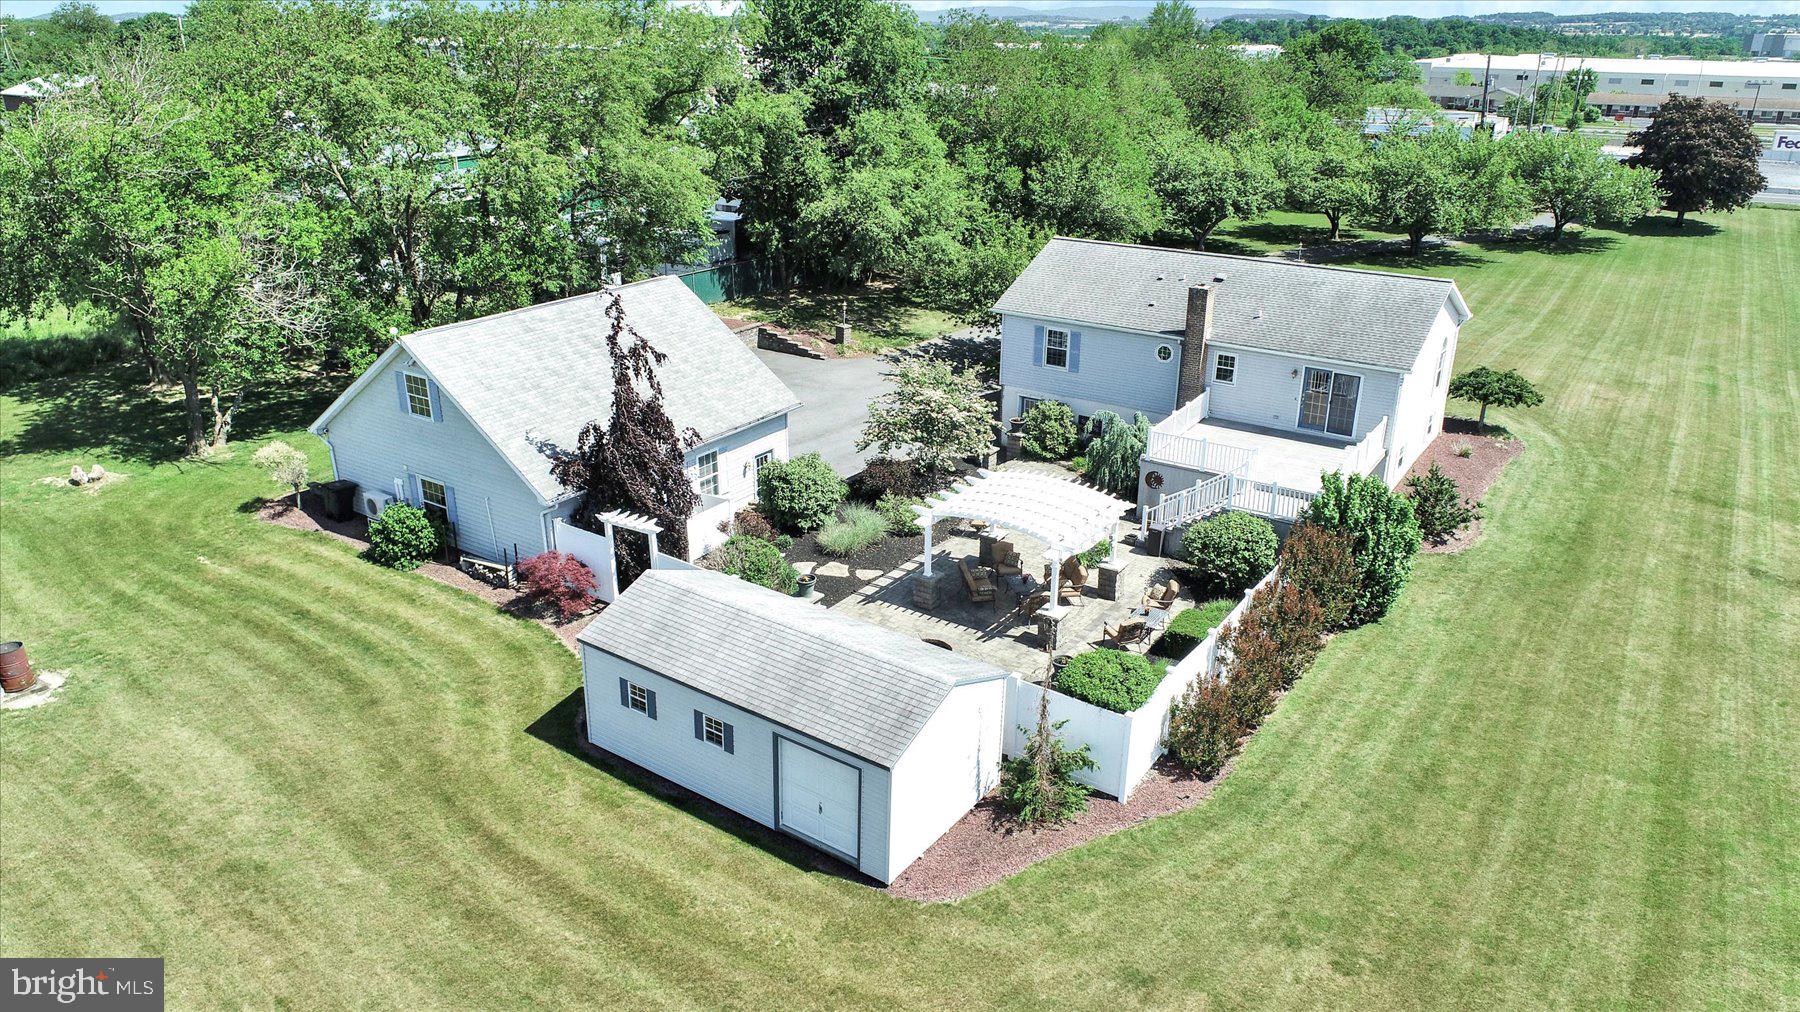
[{"x": 929, "y": 519}]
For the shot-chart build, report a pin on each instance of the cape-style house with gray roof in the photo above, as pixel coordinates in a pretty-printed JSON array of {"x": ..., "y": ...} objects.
[
  {"x": 1265, "y": 370},
  {"x": 466, "y": 419},
  {"x": 864, "y": 742}
]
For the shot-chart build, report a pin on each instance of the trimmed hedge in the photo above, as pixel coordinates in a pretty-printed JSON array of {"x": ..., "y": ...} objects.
[
  {"x": 755, "y": 560},
  {"x": 800, "y": 494},
  {"x": 403, "y": 536},
  {"x": 1110, "y": 679},
  {"x": 1049, "y": 431},
  {"x": 1231, "y": 551},
  {"x": 1188, "y": 628}
]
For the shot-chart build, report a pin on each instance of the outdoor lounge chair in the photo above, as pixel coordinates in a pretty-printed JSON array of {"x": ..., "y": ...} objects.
[
  {"x": 1162, "y": 597},
  {"x": 1129, "y": 633},
  {"x": 1006, "y": 559},
  {"x": 981, "y": 589},
  {"x": 1074, "y": 576}
]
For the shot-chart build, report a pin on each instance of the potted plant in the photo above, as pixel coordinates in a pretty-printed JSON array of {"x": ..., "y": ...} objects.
[{"x": 803, "y": 587}]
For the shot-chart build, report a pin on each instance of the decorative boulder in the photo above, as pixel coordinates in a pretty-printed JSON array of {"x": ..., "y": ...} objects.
[
  {"x": 97, "y": 474},
  {"x": 77, "y": 476}
]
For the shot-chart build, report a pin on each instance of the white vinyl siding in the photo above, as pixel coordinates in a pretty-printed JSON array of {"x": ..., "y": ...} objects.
[
  {"x": 1113, "y": 371},
  {"x": 1266, "y": 391},
  {"x": 743, "y": 780},
  {"x": 384, "y": 449},
  {"x": 738, "y": 456},
  {"x": 1422, "y": 396},
  {"x": 952, "y": 765}
]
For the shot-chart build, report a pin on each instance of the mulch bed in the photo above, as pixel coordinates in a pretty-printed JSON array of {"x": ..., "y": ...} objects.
[
  {"x": 355, "y": 531},
  {"x": 884, "y": 556},
  {"x": 1474, "y": 474},
  {"x": 985, "y": 846}
]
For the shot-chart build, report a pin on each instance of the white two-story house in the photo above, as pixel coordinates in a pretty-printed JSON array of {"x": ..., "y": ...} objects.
[
  {"x": 466, "y": 419},
  {"x": 1260, "y": 372}
]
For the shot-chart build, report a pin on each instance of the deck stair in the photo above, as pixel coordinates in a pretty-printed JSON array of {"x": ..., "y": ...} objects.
[{"x": 1229, "y": 491}]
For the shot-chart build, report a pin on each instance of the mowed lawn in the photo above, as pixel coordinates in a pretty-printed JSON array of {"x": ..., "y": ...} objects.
[{"x": 1565, "y": 771}]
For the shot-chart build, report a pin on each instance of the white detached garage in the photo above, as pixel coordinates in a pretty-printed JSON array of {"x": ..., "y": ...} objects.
[{"x": 863, "y": 742}]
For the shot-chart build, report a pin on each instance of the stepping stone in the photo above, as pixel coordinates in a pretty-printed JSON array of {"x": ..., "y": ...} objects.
[
  {"x": 869, "y": 574},
  {"x": 832, "y": 569}
]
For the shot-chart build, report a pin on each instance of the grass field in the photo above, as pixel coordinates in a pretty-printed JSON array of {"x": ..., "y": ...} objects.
[
  {"x": 880, "y": 317},
  {"x": 1563, "y": 771}
]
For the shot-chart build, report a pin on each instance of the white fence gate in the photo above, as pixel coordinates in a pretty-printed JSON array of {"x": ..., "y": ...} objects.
[{"x": 595, "y": 551}]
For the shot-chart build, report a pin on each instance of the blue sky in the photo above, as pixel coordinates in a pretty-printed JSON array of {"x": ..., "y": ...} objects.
[{"x": 1335, "y": 8}]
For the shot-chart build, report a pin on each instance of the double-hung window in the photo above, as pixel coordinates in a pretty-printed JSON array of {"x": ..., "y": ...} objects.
[
  {"x": 713, "y": 731},
  {"x": 418, "y": 395},
  {"x": 1328, "y": 401},
  {"x": 1225, "y": 368},
  {"x": 1056, "y": 349},
  {"x": 434, "y": 499},
  {"x": 633, "y": 696},
  {"x": 763, "y": 459},
  {"x": 709, "y": 472}
]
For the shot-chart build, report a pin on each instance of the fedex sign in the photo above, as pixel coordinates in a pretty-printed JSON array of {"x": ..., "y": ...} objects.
[{"x": 1787, "y": 140}]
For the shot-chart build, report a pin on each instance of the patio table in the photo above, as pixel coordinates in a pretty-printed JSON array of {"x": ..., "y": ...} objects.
[{"x": 1154, "y": 618}]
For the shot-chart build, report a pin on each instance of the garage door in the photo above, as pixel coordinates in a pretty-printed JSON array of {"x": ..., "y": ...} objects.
[{"x": 821, "y": 798}]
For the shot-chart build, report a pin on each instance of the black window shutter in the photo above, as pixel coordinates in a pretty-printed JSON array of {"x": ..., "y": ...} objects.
[
  {"x": 650, "y": 701},
  {"x": 728, "y": 747},
  {"x": 624, "y": 693},
  {"x": 699, "y": 725}
]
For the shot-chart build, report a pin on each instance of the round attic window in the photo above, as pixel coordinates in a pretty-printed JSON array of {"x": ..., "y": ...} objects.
[{"x": 1164, "y": 353}]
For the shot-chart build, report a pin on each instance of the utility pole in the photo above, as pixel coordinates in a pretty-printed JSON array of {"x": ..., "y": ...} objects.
[{"x": 1487, "y": 78}]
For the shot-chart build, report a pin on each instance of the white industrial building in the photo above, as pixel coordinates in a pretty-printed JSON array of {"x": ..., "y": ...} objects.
[{"x": 1767, "y": 91}]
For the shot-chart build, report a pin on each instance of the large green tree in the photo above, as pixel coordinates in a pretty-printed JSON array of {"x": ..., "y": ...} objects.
[
  {"x": 1201, "y": 184},
  {"x": 1443, "y": 184},
  {"x": 135, "y": 195},
  {"x": 1704, "y": 154},
  {"x": 1569, "y": 178}
]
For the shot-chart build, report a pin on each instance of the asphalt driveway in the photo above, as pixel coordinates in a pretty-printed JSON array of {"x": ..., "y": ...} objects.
[{"x": 834, "y": 403}]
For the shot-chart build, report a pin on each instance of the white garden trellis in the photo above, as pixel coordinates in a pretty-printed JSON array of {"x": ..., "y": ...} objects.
[{"x": 1065, "y": 516}]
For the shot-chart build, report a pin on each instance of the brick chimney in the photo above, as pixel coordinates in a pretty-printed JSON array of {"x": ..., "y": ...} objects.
[{"x": 1193, "y": 349}]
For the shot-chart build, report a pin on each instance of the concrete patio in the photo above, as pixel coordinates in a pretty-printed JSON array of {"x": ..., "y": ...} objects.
[{"x": 998, "y": 631}]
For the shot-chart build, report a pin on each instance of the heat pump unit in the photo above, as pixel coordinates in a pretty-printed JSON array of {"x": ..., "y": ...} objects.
[{"x": 374, "y": 502}]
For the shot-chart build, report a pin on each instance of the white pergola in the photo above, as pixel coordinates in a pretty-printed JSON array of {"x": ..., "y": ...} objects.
[{"x": 1067, "y": 517}]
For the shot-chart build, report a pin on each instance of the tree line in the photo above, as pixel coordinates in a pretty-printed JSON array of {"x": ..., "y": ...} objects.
[{"x": 274, "y": 187}]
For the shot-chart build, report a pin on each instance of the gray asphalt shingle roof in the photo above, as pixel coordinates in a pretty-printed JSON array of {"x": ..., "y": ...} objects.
[
  {"x": 859, "y": 687},
  {"x": 532, "y": 377},
  {"x": 1317, "y": 310}
]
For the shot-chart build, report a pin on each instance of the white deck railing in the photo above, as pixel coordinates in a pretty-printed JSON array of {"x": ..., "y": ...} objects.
[
  {"x": 1267, "y": 499},
  {"x": 1203, "y": 498},
  {"x": 1170, "y": 444},
  {"x": 1362, "y": 458}
]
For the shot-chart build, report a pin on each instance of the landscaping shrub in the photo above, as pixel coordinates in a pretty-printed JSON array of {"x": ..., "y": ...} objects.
[
  {"x": 898, "y": 512},
  {"x": 1321, "y": 563},
  {"x": 1464, "y": 449},
  {"x": 860, "y": 527},
  {"x": 800, "y": 494},
  {"x": 1079, "y": 464},
  {"x": 1112, "y": 455},
  {"x": 897, "y": 477},
  {"x": 1115, "y": 680},
  {"x": 1252, "y": 671},
  {"x": 755, "y": 560},
  {"x": 749, "y": 521},
  {"x": 1188, "y": 628},
  {"x": 1038, "y": 785},
  {"x": 285, "y": 465},
  {"x": 1049, "y": 431},
  {"x": 1439, "y": 505},
  {"x": 1231, "y": 551},
  {"x": 1384, "y": 537},
  {"x": 1295, "y": 623},
  {"x": 1203, "y": 729},
  {"x": 558, "y": 579},
  {"x": 403, "y": 536}
]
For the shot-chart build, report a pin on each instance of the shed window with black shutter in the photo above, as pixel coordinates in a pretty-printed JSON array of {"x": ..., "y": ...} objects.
[
  {"x": 633, "y": 696},
  {"x": 713, "y": 731}
]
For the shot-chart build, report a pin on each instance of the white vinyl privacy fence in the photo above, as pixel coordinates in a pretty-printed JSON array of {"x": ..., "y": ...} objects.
[{"x": 1123, "y": 746}]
